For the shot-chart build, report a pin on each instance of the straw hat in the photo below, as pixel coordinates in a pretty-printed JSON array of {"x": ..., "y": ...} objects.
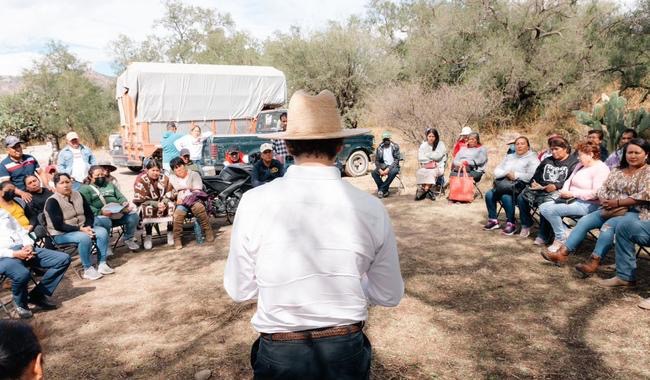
[{"x": 313, "y": 118}]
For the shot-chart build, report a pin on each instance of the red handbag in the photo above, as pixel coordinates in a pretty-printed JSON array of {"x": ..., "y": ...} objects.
[{"x": 461, "y": 187}]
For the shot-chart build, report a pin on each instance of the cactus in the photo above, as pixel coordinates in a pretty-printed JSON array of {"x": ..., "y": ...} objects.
[{"x": 609, "y": 115}]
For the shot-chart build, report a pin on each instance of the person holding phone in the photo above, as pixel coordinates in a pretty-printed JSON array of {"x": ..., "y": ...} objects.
[{"x": 548, "y": 179}]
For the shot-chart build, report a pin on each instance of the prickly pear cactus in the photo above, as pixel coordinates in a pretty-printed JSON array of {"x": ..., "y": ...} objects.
[{"x": 609, "y": 115}]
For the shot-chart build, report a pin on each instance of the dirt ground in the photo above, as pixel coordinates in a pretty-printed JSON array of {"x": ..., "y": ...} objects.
[{"x": 477, "y": 305}]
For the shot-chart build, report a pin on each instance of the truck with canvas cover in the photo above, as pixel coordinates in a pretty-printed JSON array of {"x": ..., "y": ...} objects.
[{"x": 219, "y": 98}]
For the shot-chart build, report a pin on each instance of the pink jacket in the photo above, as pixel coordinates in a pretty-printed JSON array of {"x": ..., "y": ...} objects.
[{"x": 584, "y": 182}]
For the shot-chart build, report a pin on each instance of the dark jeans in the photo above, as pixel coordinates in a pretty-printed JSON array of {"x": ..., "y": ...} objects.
[
  {"x": 340, "y": 358},
  {"x": 384, "y": 185},
  {"x": 491, "y": 199},
  {"x": 17, "y": 270}
]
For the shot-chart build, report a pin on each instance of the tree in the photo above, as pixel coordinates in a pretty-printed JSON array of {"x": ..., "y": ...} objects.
[
  {"x": 626, "y": 46},
  {"x": 412, "y": 108},
  {"x": 344, "y": 58},
  {"x": 57, "y": 98},
  {"x": 188, "y": 34}
]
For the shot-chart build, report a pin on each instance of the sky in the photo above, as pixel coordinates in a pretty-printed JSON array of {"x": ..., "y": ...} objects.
[{"x": 87, "y": 26}]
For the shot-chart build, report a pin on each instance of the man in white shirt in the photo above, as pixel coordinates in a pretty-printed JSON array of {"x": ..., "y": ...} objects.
[
  {"x": 315, "y": 258},
  {"x": 75, "y": 159},
  {"x": 17, "y": 254}
]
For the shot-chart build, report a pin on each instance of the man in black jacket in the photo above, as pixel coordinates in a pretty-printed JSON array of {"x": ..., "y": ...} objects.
[{"x": 386, "y": 164}]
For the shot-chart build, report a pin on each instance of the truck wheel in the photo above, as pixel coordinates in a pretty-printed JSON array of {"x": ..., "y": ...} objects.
[
  {"x": 357, "y": 164},
  {"x": 135, "y": 169}
]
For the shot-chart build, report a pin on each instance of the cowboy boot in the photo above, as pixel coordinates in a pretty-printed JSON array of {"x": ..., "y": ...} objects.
[
  {"x": 179, "y": 220},
  {"x": 199, "y": 212},
  {"x": 558, "y": 258},
  {"x": 590, "y": 266}
]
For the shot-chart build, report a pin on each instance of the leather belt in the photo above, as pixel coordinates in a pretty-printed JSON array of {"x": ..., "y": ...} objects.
[{"x": 326, "y": 332}]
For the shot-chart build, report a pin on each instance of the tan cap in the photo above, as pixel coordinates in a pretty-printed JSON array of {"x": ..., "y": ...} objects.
[
  {"x": 266, "y": 146},
  {"x": 71, "y": 136}
]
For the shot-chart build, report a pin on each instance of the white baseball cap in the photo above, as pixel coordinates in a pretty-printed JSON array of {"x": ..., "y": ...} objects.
[
  {"x": 71, "y": 136},
  {"x": 465, "y": 131},
  {"x": 266, "y": 146}
]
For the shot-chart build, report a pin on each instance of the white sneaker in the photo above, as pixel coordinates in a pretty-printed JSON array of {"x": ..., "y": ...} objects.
[
  {"x": 556, "y": 245},
  {"x": 147, "y": 242},
  {"x": 132, "y": 245},
  {"x": 91, "y": 273},
  {"x": 103, "y": 268},
  {"x": 170, "y": 237},
  {"x": 525, "y": 232}
]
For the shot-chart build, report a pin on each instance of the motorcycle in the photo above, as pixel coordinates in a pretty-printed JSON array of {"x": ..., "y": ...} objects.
[{"x": 226, "y": 189}]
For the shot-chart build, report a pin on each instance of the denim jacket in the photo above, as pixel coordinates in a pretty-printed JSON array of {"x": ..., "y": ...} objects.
[{"x": 64, "y": 162}]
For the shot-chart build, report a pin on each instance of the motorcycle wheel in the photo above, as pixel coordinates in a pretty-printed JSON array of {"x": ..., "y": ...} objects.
[{"x": 232, "y": 202}]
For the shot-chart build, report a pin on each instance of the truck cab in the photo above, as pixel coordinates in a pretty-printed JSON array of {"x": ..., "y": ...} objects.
[{"x": 354, "y": 158}]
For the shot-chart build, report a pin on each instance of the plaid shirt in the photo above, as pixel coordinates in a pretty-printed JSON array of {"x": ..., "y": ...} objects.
[{"x": 281, "y": 151}]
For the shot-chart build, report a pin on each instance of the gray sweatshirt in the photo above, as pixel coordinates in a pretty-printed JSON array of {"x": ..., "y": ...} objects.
[
  {"x": 523, "y": 166},
  {"x": 476, "y": 157}
]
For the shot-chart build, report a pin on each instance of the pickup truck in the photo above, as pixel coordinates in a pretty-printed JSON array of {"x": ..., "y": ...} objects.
[{"x": 353, "y": 159}]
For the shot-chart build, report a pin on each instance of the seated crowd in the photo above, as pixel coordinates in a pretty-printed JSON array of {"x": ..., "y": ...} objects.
[
  {"x": 612, "y": 196},
  {"x": 597, "y": 190},
  {"x": 43, "y": 211}
]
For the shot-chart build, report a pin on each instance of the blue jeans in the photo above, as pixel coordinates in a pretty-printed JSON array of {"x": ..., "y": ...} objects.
[
  {"x": 198, "y": 233},
  {"x": 491, "y": 198},
  {"x": 384, "y": 185},
  {"x": 554, "y": 212},
  {"x": 341, "y": 357},
  {"x": 129, "y": 220},
  {"x": 607, "y": 230},
  {"x": 54, "y": 262},
  {"x": 629, "y": 233},
  {"x": 85, "y": 244}
]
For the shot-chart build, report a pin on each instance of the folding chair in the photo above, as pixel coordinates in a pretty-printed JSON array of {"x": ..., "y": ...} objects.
[
  {"x": 43, "y": 235},
  {"x": 400, "y": 184}
]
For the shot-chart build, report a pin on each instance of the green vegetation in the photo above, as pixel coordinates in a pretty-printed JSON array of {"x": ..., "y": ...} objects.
[
  {"x": 57, "y": 97},
  {"x": 531, "y": 60},
  {"x": 610, "y": 115}
]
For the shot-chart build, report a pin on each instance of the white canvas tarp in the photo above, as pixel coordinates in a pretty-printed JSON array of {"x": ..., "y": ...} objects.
[{"x": 182, "y": 92}]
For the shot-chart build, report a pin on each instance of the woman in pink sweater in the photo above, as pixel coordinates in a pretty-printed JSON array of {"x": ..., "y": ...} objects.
[{"x": 578, "y": 196}]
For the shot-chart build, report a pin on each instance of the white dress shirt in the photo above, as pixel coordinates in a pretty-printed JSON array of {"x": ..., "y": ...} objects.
[
  {"x": 12, "y": 235},
  {"x": 314, "y": 250}
]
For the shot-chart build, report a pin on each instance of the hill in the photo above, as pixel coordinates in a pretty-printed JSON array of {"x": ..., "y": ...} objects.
[{"x": 11, "y": 84}]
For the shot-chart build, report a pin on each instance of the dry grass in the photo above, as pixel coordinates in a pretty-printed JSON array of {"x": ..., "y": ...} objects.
[{"x": 477, "y": 305}]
